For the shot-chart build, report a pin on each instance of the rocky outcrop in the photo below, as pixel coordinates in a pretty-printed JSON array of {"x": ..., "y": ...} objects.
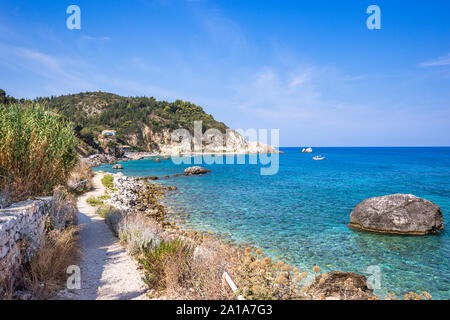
[
  {"x": 139, "y": 195},
  {"x": 195, "y": 171},
  {"x": 397, "y": 214},
  {"x": 232, "y": 142},
  {"x": 117, "y": 167},
  {"x": 101, "y": 158},
  {"x": 339, "y": 285}
]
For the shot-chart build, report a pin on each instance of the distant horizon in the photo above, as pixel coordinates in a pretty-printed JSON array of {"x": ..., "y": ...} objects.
[{"x": 341, "y": 146}]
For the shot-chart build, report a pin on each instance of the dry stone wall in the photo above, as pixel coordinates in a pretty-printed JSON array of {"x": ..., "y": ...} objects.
[{"x": 22, "y": 226}]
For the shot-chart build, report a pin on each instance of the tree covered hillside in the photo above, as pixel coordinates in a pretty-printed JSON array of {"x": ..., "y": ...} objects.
[{"x": 93, "y": 112}]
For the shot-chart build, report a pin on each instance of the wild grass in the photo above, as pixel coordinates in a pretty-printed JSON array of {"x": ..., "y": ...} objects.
[
  {"x": 79, "y": 180},
  {"x": 174, "y": 265},
  {"x": 46, "y": 272},
  {"x": 108, "y": 182},
  {"x": 98, "y": 201},
  {"x": 112, "y": 217},
  {"x": 137, "y": 231},
  {"x": 37, "y": 150},
  {"x": 166, "y": 265},
  {"x": 257, "y": 277}
]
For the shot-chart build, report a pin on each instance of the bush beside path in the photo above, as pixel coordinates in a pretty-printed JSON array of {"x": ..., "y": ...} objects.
[{"x": 107, "y": 271}]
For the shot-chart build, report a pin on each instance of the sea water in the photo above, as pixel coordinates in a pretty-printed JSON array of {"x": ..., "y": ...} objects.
[{"x": 301, "y": 214}]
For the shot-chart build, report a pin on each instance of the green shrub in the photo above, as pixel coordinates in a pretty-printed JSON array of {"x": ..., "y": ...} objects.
[
  {"x": 112, "y": 217},
  {"x": 108, "y": 181},
  {"x": 167, "y": 260},
  {"x": 99, "y": 201},
  {"x": 95, "y": 202},
  {"x": 37, "y": 150},
  {"x": 136, "y": 232}
]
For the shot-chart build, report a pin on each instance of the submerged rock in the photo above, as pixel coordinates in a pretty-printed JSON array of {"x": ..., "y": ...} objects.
[
  {"x": 118, "y": 167},
  {"x": 397, "y": 214},
  {"x": 195, "y": 171},
  {"x": 157, "y": 160},
  {"x": 339, "y": 285}
]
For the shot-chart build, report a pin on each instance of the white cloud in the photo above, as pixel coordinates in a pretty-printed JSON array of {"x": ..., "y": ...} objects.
[
  {"x": 441, "y": 61},
  {"x": 56, "y": 74}
]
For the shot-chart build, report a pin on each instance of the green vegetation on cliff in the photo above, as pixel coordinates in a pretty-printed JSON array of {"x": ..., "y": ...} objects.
[{"x": 93, "y": 112}]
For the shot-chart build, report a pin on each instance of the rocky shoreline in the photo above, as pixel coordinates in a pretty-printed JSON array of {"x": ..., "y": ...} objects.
[
  {"x": 138, "y": 195},
  {"x": 98, "y": 159},
  {"x": 142, "y": 196}
]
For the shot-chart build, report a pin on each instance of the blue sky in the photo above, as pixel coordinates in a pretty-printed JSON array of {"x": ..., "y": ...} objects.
[{"x": 309, "y": 68}]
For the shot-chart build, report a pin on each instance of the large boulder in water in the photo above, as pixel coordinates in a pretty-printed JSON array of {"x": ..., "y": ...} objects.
[
  {"x": 397, "y": 214},
  {"x": 339, "y": 285},
  {"x": 195, "y": 171},
  {"x": 118, "y": 167}
]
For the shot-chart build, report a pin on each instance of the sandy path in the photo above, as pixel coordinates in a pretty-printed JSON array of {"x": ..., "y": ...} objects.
[{"x": 107, "y": 271}]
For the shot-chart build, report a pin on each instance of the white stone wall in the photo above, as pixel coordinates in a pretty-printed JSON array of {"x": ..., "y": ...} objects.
[{"x": 21, "y": 229}]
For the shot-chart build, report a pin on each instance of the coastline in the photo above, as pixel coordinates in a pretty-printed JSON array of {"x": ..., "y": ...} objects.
[
  {"x": 207, "y": 243},
  {"x": 222, "y": 191},
  {"x": 228, "y": 176}
]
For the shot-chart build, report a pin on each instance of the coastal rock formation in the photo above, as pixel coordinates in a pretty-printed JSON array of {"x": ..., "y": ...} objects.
[
  {"x": 98, "y": 159},
  {"x": 195, "y": 171},
  {"x": 138, "y": 195},
  {"x": 118, "y": 167},
  {"x": 397, "y": 214},
  {"x": 339, "y": 285},
  {"x": 152, "y": 130},
  {"x": 157, "y": 160},
  {"x": 232, "y": 142}
]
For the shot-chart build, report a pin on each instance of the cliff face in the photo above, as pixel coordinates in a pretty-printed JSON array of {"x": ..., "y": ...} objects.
[
  {"x": 163, "y": 143},
  {"x": 145, "y": 124}
]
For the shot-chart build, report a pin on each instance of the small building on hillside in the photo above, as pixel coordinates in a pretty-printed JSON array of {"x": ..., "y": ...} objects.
[{"x": 108, "y": 133}]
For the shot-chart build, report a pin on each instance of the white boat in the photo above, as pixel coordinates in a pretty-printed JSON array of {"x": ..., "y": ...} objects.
[
  {"x": 319, "y": 158},
  {"x": 307, "y": 150}
]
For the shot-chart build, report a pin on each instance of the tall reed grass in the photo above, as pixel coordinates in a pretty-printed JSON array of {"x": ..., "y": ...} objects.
[{"x": 37, "y": 150}]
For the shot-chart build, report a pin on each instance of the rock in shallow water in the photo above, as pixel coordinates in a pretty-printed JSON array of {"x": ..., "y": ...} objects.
[
  {"x": 339, "y": 285},
  {"x": 195, "y": 171},
  {"x": 397, "y": 214},
  {"x": 118, "y": 167}
]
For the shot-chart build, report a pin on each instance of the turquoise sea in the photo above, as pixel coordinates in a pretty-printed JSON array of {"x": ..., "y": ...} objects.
[{"x": 300, "y": 215}]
